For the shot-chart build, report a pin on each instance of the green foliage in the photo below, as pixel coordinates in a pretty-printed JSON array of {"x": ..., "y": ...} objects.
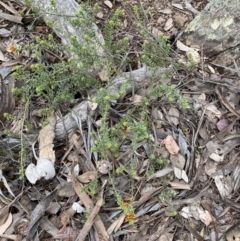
[
  {"x": 192, "y": 64},
  {"x": 58, "y": 82},
  {"x": 156, "y": 52},
  {"x": 166, "y": 197},
  {"x": 53, "y": 81},
  {"x": 136, "y": 12}
]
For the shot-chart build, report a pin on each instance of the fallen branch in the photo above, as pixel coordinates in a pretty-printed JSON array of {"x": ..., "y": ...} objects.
[{"x": 136, "y": 77}]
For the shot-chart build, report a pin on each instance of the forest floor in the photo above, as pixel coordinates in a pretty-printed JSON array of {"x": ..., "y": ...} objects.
[{"x": 194, "y": 197}]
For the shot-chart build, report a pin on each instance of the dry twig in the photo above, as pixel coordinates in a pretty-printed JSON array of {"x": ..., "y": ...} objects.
[{"x": 87, "y": 226}]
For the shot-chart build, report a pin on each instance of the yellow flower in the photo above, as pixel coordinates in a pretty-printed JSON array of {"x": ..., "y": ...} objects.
[
  {"x": 129, "y": 217},
  {"x": 12, "y": 48}
]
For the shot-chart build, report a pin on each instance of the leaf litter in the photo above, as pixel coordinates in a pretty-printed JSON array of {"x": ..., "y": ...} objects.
[{"x": 202, "y": 144}]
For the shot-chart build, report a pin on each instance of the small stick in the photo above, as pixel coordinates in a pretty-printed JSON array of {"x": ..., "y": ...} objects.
[
  {"x": 87, "y": 226},
  {"x": 87, "y": 202}
]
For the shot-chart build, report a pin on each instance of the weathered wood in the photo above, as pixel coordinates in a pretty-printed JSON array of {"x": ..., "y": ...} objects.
[
  {"x": 82, "y": 110},
  {"x": 216, "y": 29},
  {"x": 60, "y": 15}
]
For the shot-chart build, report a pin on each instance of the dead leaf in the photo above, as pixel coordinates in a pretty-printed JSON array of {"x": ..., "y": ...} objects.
[
  {"x": 4, "y": 32},
  {"x": 216, "y": 157},
  {"x": 166, "y": 237},
  {"x": 156, "y": 32},
  {"x": 12, "y": 62},
  {"x": 136, "y": 99},
  {"x": 183, "y": 47},
  {"x": 214, "y": 112},
  {"x": 6, "y": 225},
  {"x": 10, "y": 9},
  {"x": 16, "y": 126},
  {"x": 2, "y": 57},
  {"x": 205, "y": 216},
  {"x": 203, "y": 133},
  {"x": 178, "y": 161},
  {"x": 125, "y": 22},
  {"x": 66, "y": 190},
  {"x": 179, "y": 185},
  {"x": 158, "y": 118},
  {"x": 211, "y": 69},
  {"x": 161, "y": 173},
  {"x": 11, "y": 18},
  {"x": 174, "y": 115},
  {"x": 116, "y": 224},
  {"x": 194, "y": 55},
  {"x": 223, "y": 187},
  {"x": 180, "y": 20},
  {"x": 166, "y": 11},
  {"x": 37, "y": 214},
  {"x": 180, "y": 174},
  {"x": 190, "y": 211},
  {"x": 87, "y": 177},
  {"x": 177, "y": 5},
  {"x": 103, "y": 75},
  {"x": 3, "y": 179},
  {"x": 100, "y": 15},
  {"x": 108, "y": 3},
  {"x": 53, "y": 208},
  {"x": 168, "y": 24},
  {"x": 171, "y": 145},
  {"x": 160, "y": 20}
]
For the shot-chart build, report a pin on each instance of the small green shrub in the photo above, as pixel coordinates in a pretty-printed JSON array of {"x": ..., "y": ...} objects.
[{"x": 58, "y": 83}]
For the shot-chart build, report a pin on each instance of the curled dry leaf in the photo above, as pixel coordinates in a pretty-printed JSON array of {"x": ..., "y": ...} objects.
[
  {"x": 171, "y": 145},
  {"x": 87, "y": 177},
  {"x": 108, "y": 3}
]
